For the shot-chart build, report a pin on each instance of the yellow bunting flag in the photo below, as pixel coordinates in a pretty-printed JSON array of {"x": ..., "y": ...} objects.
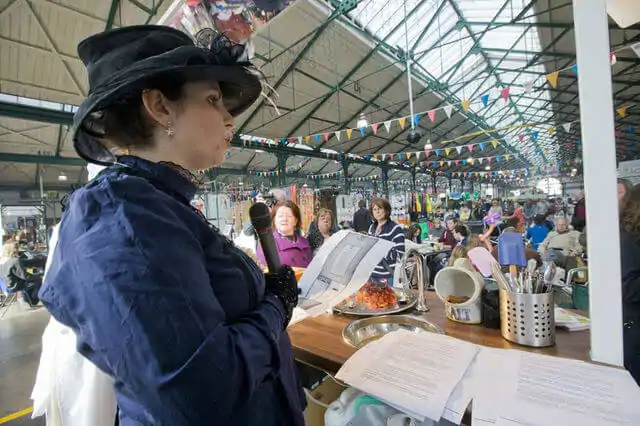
[
  {"x": 470, "y": 160},
  {"x": 622, "y": 111},
  {"x": 375, "y": 157},
  {"x": 408, "y": 155},
  {"x": 465, "y": 104},
  {"x": 551, "y": 130},
  {"x": 552, "y": 78},
  {"x": 349, "y": 131},
  {"x": 494, "y": 143},
  {"x": 306, "y": 139},
  {"x": 402, "y": 122},
  {"x": 441, "y": 163},
  {"x": 507, "y": 156},
  {"x": 447, "y": 151}
]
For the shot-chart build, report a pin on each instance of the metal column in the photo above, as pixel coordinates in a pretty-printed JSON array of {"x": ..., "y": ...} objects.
[
  {"x": 385, "y": 180},
  {"x": 599, "y": 156}
]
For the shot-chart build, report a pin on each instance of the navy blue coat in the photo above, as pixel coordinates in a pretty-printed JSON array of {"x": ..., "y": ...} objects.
[{"x": 170, "y": 309}]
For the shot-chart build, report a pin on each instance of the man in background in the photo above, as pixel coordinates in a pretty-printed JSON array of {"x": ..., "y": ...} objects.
[{"x": 362, "y": 218}]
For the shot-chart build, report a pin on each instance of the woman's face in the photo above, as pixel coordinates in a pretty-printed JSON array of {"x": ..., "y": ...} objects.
[
  {"x": 458, "y": 236},
  {"x": 622, "y": 191},
  {"x": 450, "y": 225},
  {"x": 378, "y": 213},
  {"x": 203, "y": 128},
  {"x": 285, "y": 221},
  {"x": 324, "y": 223}
]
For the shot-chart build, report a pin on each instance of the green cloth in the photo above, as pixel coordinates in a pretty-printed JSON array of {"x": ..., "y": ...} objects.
[{"x": 424, "y": 227}]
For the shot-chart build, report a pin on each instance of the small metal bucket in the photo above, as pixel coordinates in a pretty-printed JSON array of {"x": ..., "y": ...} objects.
[{"x": 528, "y": 319}]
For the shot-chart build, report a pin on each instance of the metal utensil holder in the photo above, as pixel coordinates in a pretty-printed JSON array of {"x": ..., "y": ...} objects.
[{"x": 528, "y": 319}]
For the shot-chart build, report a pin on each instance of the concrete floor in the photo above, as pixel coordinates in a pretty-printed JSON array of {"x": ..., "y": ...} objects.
[{"x": 20, "y": 346}]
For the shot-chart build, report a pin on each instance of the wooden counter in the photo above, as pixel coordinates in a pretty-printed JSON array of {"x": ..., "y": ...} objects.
[{"x": 318, "y": 341}]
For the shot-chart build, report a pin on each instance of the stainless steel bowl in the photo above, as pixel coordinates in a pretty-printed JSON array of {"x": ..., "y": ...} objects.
[{"x": 360, "y": 332}]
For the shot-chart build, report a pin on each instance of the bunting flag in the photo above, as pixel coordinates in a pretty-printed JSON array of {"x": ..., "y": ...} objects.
[
  {"x": 459, "y": 149},
  {"x": 622, "y": 111},
  {"x": 387, "y": 125},
  {"x": 470, "y": 148},
  {"x": 448, "y": 109},
  {"x": 521, "y": 137},
  {"x": 432, "y": 115},
  {"x": 551, "y": 130},
  {"x": 300, "y": 140},
  {"x": 505, "y": 93},
  {"x": 575, "y": 69},
  {"x": 426, "y": 153},
  {"x": 402, "y": 122},
  {"x": 494, "y": 143},
  {"x": 567, "y": 127},
  {"x": 317, "y": 138},
  {"x": 528, "y": 87},
  {"x": 447, "y": 151},
  {"x": 438, "y": 151},
  {"x": 636, "y": 48},
  {"x": 374, "y": 127},
  {"x": 507, "y": 156},
  {"x": 337, "y": 135},
  {"x": 349, "y": 131},
  {"x": 326, "y": 137},
  {"x": 534, "y": 136},
  {"x": 612, "y": 58},
  {"x": 470, "y": 161},
  {"x": 481, "y": 145},
  {"x": 552, "y": 78},
  {"x": 416, "y": 119},
  {"x": 362, "y": 129},
  {"x": 485, "y": 99},
  {"x": 465, "y": 104}
]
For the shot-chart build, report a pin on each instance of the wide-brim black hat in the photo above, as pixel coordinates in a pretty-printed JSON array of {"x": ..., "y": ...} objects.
[{"x": 121, "y": 62}]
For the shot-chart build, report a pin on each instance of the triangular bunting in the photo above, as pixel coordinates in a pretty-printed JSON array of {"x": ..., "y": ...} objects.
[
  {"x": 402, "y": 122},
  {"x": 622, "y": 111},
  {"x": 448, "y": 109},
  {"x": 612, "y": 58},
  {"x": 362, "y": 129},
  {"x": 521, "y": 137},
  {"x": 426, "y": 153},
  {"x": 300, "y": 140},
  {"x": 534, "y": 136},
  {"x": 465, "y": 105},
  {"x": 575, "y": 69},
  {"x": 326, "y": 137},
  {"x": 551, "y": 130},
  {"x": 505, "y": 93},
  {"x": 317, "y": 138},
  {"x": 528, "y": 87},
  {"x": 481, "y": 145},
  {"x": 416, "y": 119},
  {"x": 306, "y": 139},
  {"x": 438, "y": 152},
  {"x": 432, "y": 115},
  {"x": 387, "y": 125},
  {"x": 374, "y": 127},
  {"x": 485, "y": 99},
  {"x": 567, "y": 127},
  {"x": 507, "y": 156},
  {"x": 447, "y": 151},
  {"x": 337, "y": 135},
  {"x": 552, "y": 78},
  {"x": 494, "y": 143},
  {"x": 349, "y": 131}
]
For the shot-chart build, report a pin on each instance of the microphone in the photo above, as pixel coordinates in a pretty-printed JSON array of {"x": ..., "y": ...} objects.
[{"x": 261, "y": 221}]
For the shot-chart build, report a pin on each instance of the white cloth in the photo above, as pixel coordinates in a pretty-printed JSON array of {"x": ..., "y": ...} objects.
[{"x": 69, "y": 389}]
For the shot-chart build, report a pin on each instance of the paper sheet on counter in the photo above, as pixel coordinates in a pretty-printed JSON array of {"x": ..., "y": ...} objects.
[
  {"x": 414, "y": 372},
  {"x": 341, "y": 266},
  {"x": 550, "y": 391}
]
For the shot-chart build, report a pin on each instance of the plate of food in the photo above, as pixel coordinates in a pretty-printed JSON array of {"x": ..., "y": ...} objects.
[{"x": 376, "y": 298}]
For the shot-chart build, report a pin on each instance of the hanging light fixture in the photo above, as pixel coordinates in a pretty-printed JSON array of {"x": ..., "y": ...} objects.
[
  {"x": 487, "y": 168},
  {"x": 62, "y": 177},
  {"x": 428, "y": 146},
  {"x": 362, "y": 122}
]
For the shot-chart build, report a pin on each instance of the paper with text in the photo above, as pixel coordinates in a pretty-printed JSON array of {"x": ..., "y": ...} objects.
[
  {"x": 414, "y": 372},
  {"x": 341, "y": 266},
  {"x": 549, "y": 391}
]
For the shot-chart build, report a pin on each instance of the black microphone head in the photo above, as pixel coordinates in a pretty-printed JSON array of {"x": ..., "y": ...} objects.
[{"x": 260, "y": 217}]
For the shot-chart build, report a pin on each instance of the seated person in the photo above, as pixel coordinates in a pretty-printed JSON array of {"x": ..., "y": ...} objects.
[
  {"x": 562, "y": 240},
  {"x": 15, "y": 276},
  {"x": 538, "y": 232},
  {"x": 413, "y": 233},
  {"x": 447, "y": 237},
  {"x": 293, "y": 248},
  {"x": 436, "y": 230},
  {"x": 324, "y": 229},
  {"x": 460, "y": 233}
]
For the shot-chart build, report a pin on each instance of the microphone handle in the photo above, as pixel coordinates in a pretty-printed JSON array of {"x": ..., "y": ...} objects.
[{"x": 270, "y": 250}]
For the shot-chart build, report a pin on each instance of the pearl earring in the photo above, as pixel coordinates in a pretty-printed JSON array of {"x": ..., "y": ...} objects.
[{"x": 169, "y": 130}]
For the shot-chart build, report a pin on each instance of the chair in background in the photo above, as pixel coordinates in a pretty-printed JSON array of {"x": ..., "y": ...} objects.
[{"x": 7, "y": 298}]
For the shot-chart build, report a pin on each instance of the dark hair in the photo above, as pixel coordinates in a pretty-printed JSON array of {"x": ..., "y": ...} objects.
[
  {"x": 513, "y": 222},
  {"x": 294, "y": 209},
  {"x": 362, "y": 203},
  {"x": 538, "y": 219},
  {"x": 411, "y": 231},
  {"x": 127, "y": 123},
  {"x": 462, "y": 230},
  {"x": 626, "y": 183},
  {"x": 381, "y": 203}
]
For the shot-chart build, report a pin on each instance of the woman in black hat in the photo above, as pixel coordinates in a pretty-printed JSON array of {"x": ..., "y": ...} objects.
[{"x": 191, "y": 330}]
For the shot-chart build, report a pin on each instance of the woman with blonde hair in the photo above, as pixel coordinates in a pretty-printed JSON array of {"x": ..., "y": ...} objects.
[{"x": 324, "y": 229}]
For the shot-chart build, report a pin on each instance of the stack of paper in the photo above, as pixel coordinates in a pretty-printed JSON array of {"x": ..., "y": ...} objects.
[
  {"x": 413, "y": 372},
  {"x": 433, "y": 376},
  {"x": 570, "y": 320}
]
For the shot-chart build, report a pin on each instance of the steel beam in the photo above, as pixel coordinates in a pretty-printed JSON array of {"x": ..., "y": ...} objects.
[
  {"x": 112, "y": 14},
  {"x": 31, "y": 113},
  {"x": 379, "y": 45},
  {"x": 154, "y": 11},
  {"x": 612, "y": 26},
  {"x": 41, "y": 159}
]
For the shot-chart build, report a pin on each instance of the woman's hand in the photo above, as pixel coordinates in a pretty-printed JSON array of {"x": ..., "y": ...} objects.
[{"x": 284, "y": 286}]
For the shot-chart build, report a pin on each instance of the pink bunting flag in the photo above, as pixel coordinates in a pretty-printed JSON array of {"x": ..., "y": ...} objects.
[
  {"x": 374, "y": 127},
  {"x": 432, "y": 115},
  {"x": 470, "y": 148},
  {"x": 521, "y": 137},
  {"x": 426, "y": 153},
  {"x": 505, "y": 93},
  {"x": 457, "y": 162},
  {"x": 326, "y": 137}
]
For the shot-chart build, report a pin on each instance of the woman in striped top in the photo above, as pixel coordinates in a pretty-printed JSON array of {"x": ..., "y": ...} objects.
[{"x": 383, "y": 227}]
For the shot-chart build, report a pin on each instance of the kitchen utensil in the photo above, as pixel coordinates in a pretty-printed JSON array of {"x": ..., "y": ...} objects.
[{"x": 360, "y": 332}]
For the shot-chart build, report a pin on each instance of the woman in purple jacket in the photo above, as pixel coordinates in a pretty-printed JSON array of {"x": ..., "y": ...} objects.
[{"x": 294, "y": 249}]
